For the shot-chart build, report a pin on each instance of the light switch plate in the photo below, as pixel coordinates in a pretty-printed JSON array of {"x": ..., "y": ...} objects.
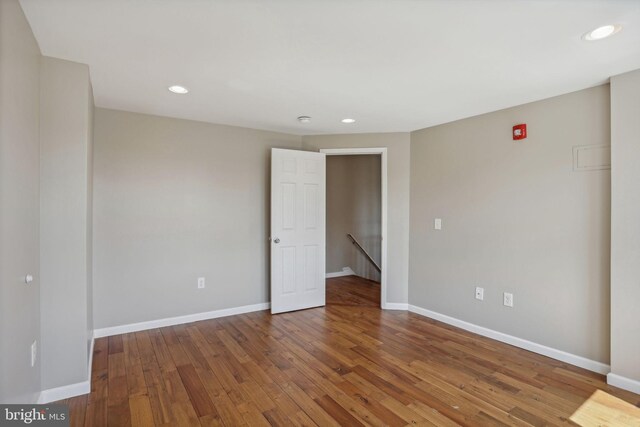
[
  {"x": 200, "y": 282},
  {"x": 437, "y": 224},
  {"x": 479, "y": 293}
]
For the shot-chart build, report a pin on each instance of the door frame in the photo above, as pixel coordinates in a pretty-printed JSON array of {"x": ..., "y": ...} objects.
[{"x": 382, "y": 151}]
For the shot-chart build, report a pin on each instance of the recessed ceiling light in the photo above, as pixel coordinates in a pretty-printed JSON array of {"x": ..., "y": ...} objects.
[
  {"x": 180, "y": 90},
  {"x": 348, "y": 120},
  {"x": 304, "y": 119},
  {"x": 602, "y": 32}
]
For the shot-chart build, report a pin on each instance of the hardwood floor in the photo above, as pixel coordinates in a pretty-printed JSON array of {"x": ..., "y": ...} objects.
[
  {"x": 353, "y": 290},
  {"x": 336, "y": 365}
]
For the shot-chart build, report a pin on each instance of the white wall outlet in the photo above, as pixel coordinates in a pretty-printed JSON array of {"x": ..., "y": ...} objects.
[
  {"x": 437, "y": 224},
  {"x": 479, "y": 293},
  {"x": 508, "y": 299},
  {"x": 200, "y": 282},
  {"x": 34, "y": 353}
]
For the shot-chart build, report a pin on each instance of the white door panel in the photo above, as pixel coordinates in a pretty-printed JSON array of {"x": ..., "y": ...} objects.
[{"x": 297, "y": 230}]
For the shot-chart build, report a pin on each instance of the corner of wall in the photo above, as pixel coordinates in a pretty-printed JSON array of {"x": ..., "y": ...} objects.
[{"x": 66, "y": 133}]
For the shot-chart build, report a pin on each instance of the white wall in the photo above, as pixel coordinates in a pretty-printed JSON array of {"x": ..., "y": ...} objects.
[
  {"x": 354, "y": 206},
  {"x": 398, "y": 166},
  {"x": 516, "y": 218},
  {"x": 65, "y": 197},
  {"x": 625, "y": 227},
  {"x": 19, "y": 205},
  {"x": 175, "y": 200}
]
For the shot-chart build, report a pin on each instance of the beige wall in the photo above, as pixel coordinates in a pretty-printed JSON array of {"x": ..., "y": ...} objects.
[
  {"x": 625, "y": 226},
  {"x": 175, "y": 200},
  {"x": 516, "y": 218},
  {"x": 398, "y": 166},
  {"x": 65, "y": 197},
  {"x": 353, "y": 206},
  {"x": 19, "y": 205},
  {"x": 45, "y": 116}
]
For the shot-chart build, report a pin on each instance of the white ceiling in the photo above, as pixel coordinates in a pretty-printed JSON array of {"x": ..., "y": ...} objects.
[{"x": 393, "y": 65}]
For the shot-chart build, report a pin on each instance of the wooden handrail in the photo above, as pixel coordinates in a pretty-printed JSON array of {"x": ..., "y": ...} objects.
[{"x": 355, "y": 242}]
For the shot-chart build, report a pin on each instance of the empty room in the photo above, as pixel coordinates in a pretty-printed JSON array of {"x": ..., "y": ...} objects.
[{"x": 319, "y": 212}]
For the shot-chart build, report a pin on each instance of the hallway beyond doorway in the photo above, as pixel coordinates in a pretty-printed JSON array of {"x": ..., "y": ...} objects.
[{"x": 353, "y": 290}]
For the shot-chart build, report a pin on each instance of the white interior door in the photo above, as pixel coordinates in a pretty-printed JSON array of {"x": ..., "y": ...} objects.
[{"x": 297, "y": 230}]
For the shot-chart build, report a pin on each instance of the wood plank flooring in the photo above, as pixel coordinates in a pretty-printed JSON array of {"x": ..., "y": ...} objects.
[
  {"x": 353, "y": 290},
  {"x": 341, "y": 364},
  {"x": 602, "y": 409}
]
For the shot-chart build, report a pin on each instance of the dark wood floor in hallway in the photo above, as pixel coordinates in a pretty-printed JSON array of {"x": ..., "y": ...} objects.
[
  {"x": 341, "y": 364},
  {"x": 353, "y": 290}
]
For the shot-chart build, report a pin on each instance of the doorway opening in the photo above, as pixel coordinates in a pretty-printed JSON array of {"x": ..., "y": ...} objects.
[{"x": 356, "y": 224}]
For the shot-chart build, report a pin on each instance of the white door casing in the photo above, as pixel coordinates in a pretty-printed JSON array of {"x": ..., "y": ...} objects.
[
  {"x": 382, "y": 151},
  {"x": 298, "y": 226}
]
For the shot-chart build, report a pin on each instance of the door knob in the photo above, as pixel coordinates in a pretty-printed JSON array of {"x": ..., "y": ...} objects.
[{"x": 276, "y": 240}]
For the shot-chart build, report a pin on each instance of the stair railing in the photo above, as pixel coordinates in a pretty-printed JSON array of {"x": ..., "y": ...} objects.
[{"x": 366, "y": 254}]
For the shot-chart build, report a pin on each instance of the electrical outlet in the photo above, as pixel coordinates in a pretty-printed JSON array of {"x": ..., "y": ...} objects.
[
  {"x": 34, "y": 353},
  {"x": 508, "y": 299},
  {"x": 479, "y": 293},
  {"x": 437, "y": 224},
  {"x": 200, "y": 282}
]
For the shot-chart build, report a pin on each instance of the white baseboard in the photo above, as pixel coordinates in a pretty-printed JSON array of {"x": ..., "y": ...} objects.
[
  {"x": 171, "y": 321},
  {"x": 563, "y": 356},
  {"x": 395, "y": 306},
  {"x": 623, "y": 382},
  {"x": 346, "y": 271},
  {"x": 64, "y": 392}
]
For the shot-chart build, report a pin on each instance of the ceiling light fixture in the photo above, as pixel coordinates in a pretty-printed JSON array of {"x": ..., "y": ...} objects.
[
  {"x": 348, "y": 120},
  {"x": 180, "y": 90},
  {"x": 304, "y": 119},
  {"x": 602, "y": 32}
]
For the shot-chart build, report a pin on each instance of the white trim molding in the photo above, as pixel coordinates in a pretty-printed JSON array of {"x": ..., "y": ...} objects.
[
  {"x": 346, "y": 271},
  {"x": 178, "y": 320},
  {"x": 382, "y": 151},
  {"x": 65, "y": 392},
  {"x": 396, "y": 306},
  {"x": 560, "y": 355},
  {"x": 623, "y": 382}
]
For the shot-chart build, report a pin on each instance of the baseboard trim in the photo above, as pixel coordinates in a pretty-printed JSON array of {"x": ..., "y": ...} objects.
[
  {"x": 560, "y": 355},
  {"x": 346, "y": 271},
  {"x": 623, "y": 382},
  {"x": 395, "y": 306},
  {"x": 64, "y": 392},
  {"x": 178, "y": 320}
]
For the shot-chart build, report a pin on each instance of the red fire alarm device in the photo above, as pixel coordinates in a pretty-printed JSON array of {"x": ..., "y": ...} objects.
[{"x": 519, "y": 131}]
